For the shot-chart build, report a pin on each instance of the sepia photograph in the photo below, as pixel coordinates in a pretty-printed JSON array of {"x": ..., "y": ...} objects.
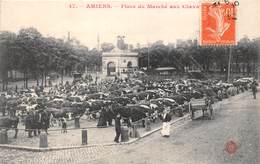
[{"x": 129, "y": 82}]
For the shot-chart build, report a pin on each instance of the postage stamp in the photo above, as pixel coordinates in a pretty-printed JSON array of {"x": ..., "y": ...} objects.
[
  {"x": 231, "y": 147},
  {"x": 218, "y": 24}
]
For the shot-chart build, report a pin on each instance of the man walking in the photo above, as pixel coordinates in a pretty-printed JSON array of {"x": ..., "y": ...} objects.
[{"x": 117, "y": 127}]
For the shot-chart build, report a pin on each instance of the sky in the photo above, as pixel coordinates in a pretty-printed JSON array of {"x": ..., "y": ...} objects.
[{"x": 56, "y": 18}]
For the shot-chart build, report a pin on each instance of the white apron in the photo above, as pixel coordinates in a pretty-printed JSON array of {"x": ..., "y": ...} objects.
[{"x": 166, "y": 129}]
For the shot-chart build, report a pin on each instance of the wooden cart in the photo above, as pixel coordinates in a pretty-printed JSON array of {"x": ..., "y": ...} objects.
[{"x": 203, "y": 104}]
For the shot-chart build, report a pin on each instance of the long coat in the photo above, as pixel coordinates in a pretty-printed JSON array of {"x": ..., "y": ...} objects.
[
  {"x": 254, "y": 86},
  {"x": 45, "y": 120},
  {"x": 118, "y": 123},
  {"x": 102, "y": 119},
  {"x": 29, "y": 121},
  {"x": 167, "y": 118}
]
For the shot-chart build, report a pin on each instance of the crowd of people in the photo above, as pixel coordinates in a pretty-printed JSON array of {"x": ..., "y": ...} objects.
[{"x": 134, "y": 99}]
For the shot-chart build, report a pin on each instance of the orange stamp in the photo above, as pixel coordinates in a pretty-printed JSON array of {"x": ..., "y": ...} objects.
[
  {"x": 231, "y": 147},
  {"x": 218, "y": 24}
]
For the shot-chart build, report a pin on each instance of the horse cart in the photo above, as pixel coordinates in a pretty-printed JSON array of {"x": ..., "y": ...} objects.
[{"x": 204, "y": 104}]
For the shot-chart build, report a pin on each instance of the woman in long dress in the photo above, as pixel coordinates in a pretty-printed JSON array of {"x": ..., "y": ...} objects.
[
  {"x": 102, "y": 119},
  {"x": 166, "y": 118}
]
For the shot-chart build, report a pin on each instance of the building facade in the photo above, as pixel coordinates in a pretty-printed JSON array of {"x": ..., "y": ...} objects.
[{"x": 117, "y": 62}]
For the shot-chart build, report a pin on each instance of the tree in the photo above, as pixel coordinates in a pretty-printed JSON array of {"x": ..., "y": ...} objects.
[
  {"x": 29, "y": 41},
  {"x": 7, "y": 56},
  {"x": 106, "y": 47}
]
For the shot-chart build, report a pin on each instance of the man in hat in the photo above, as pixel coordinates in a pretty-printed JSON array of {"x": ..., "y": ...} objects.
[
  {"x": 117, "y": 127},
  {"x": 254, "y": 88},
  {"x": 45, "y": 121},
  {"x": 28, "y": 124}
]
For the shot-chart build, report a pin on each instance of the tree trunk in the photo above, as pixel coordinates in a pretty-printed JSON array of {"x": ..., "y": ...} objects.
[
  {"x": 62, "y": 74},
  {"x": 37, "y": 81},
  {"x": 5, "y": 79},
  {"x": 248, "y": 68},
  {"x": 237, "y": 68},
  {"x": 243, "y": 69},
  {"x": 208, "y": 64},
  {"x": 42, "y": 79},
  {"x": 26, "y": 80},
  {"x": 45, "y": 81},
  {"x": 6, "y": 85}
]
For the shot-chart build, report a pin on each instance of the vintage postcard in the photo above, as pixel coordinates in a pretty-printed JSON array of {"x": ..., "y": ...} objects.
[{"x": 129, "y": 81}]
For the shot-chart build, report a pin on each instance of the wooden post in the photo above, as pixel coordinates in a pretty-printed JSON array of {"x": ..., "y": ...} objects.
[
  {"x": 3, "y": 137},
  {"x": 43, "y": 140},
  {"x": 84, "y": 136}
]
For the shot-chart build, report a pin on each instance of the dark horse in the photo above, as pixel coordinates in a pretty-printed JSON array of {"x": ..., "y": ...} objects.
[
  {"x": 9, "y": 122},
  {"x": 135, "y": 113}
]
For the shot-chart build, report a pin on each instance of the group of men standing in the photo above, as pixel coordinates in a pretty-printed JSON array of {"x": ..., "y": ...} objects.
[
  {"x": 105, "y": 117},
  {"x": 36, "y": 121}
]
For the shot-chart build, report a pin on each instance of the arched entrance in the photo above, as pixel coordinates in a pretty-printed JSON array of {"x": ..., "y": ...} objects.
[
  {"x": 111, "y": 68},
  {"x": 129, "y": 66}
]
